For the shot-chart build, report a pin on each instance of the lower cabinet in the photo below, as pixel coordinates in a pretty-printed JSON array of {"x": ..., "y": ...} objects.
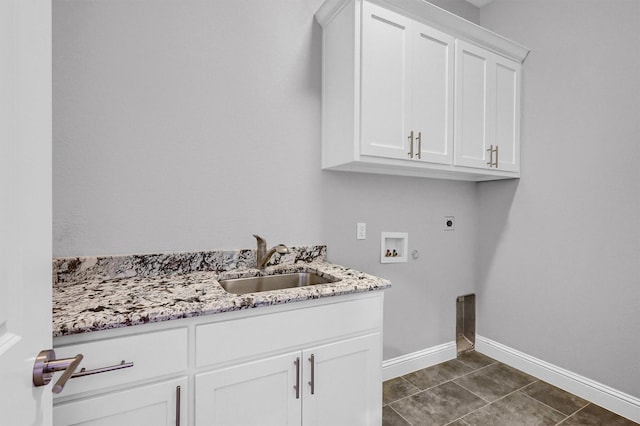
[
  {"x": 309, "y": 363},
  {"x": 158, "y": 404},
  {"x": 347, "y": 383},
  {"x": 331, "y": 385},
  {"x": 255, "y": 393}
]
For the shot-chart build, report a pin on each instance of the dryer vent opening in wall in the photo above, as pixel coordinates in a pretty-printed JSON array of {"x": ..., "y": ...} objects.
[{"x": 465, "y": 323}]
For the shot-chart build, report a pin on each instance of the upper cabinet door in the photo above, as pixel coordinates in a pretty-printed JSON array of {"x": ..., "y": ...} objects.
[
  {"x": 432, "y": 106},
  {"x": 507, "y": 108},
  {"x": 471, "y": 106},
  {"x": 487, "y": 109},
  {"x": 385, "y": 95}
]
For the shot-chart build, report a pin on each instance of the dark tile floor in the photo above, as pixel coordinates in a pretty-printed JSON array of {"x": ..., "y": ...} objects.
[{"x": 477, "y": 390}]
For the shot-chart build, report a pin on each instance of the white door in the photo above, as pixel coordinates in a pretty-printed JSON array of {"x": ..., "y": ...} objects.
[
  {"x": 432, "y": 94},
  {"x": 266, "y": 386},
  {"x": 346, "y": 378},
  {"x": 25, "y": 207},
  {"x": 385, "y": 100}
]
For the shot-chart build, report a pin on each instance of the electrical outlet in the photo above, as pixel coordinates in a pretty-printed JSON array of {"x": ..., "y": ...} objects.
[
  {"x": 449, "y": 223},
  {"x": 361, "y": 231}
]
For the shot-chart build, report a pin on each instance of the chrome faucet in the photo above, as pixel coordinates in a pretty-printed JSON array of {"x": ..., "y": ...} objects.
[{"x": 263, "y": 255}]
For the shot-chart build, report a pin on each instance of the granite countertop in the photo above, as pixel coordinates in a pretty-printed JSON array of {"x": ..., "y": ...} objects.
[{"x": 98, "y": 293}]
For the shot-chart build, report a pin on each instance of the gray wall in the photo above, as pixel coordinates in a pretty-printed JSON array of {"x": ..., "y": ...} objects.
[
  {"x": 420, "y": 307},
  {"x": 559, "y": 262},
  {"x": 187, "y": 126},
  {"x": 191, "y": 125}
]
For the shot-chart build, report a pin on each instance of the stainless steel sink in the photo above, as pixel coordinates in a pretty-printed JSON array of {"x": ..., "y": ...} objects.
[{"x": 273, "y": 282}]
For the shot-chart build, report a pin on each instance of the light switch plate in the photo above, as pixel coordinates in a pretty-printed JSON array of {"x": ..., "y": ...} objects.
[{"x": 361, "y": 231}]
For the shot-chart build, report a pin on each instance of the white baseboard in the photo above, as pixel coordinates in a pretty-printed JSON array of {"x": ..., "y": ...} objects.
[
  {"x": 613, "y": 400},
  {"x": 409, "y": 363}
]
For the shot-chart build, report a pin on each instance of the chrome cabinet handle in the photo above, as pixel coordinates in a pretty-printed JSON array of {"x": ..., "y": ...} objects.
[
  {"x": 83, "y": 372},
  {"x": 177, "y": 405},
  {"x": 496, "y": 163},
  {"x": 297, "y": 385},
  {"x": 46, "y": 364},
  {"x": 312, "y": 382},
  {"x": 419, "y": 139},
  {"x": 492, "y": 151},
  {"x": 410, "y": 137}
]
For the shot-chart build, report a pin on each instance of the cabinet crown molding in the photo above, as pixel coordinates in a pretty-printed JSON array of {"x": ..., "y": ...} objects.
[{"x": 436, "y": 17}]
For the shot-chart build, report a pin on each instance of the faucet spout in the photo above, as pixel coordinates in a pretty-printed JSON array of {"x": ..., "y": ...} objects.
[{"x": 263, "y": 255}]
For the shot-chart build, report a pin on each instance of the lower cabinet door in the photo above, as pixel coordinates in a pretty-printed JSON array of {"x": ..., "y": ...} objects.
[
  {"x": 343, "y": 383},
  {"x": 259, "y": 393},
  {"x": 149, "y": 405}
]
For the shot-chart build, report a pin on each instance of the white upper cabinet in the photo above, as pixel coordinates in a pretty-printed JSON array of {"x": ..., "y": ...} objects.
[
  {"x": 487, "y": 133},
  {"x": 406, "y": 88},
  {"x": 432, "y": 93},
  {"x": 386, "y": 81},
  {"x": 411, "y": 89}
]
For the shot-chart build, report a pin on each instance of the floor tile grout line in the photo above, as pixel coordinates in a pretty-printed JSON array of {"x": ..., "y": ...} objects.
[
  {"x": 435, "y": 386},
  {"x": 442, "y": 383},
  {"x": 546, "y": 405},
  {"x": 406, "y": 396},
  {"x": 426, "y": 389},
  {"x": 453, "y": 378},
  {"x": 574, "y": 413},
  {"x": 474, "y": 394},
  {"x": 581, "y": 408},
  {"x": 491, "y": 402},
  {"x": 478, "y": 368},
  {"x": 401, "y": 416},
  {"x": 461, "y": 418}
]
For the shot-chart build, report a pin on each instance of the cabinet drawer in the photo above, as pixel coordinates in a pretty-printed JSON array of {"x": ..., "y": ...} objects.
[
  {"x": 148, "y": 405},
  {"x": 226, "y": 341},
  {"x": 153, "y": 355}
]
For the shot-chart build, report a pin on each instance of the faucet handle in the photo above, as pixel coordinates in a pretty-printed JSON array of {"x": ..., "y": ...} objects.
[{"x": 281, "y": 249}]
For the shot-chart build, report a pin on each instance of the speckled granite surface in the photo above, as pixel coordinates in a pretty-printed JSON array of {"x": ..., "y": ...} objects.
[{"x": 98, "y": 293}]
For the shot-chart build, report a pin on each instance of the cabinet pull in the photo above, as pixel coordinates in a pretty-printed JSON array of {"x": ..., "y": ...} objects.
[
  {"x": 419, "y": 139},
  {"x": 84, "y": 372},
  {"x": 492, "y": 151},
  {"x": 297, "y": 385},
  {"x": 496, "y": 163},
  {"x": 177, "y": 405},
  {"x": 312, "y": 382},
  {"x": 410, "y": 144}
]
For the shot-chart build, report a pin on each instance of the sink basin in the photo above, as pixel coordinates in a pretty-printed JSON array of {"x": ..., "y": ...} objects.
[{"x": 273, "y": 282}]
